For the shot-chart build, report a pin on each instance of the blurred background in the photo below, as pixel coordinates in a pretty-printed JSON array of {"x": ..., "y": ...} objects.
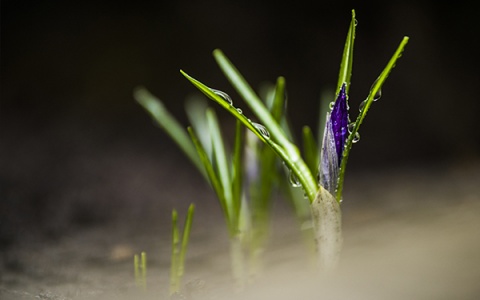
[{"x": 76, "y": 150}]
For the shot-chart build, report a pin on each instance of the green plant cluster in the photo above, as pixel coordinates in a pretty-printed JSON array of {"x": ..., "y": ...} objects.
[{"x": 243, "y": 178}]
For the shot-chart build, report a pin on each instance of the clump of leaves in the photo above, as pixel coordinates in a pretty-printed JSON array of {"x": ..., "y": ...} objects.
[
  {"x": 245, "y": 207},
  {"x": 204, "y": 145},
  {"x": 339, "y": 136}
]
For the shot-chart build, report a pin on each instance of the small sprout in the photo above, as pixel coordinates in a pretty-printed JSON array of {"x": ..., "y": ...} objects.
[
  {"x": 179, "y": 249},
  {"x": 140, "y": 270}
]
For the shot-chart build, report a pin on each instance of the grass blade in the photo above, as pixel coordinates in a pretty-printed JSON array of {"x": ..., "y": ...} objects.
[
  {"x": 237, "y": 177},
  {"x": 310, "y": 150},
  {"x": 221, "y": 160},
  {"x": 169, "y": 124},
  {"x": 291, "y": 157},
  {"x": 195, "y": 108},
  {"x": 213, "y": 178},
  {"x": 185, "y": 238},
  {"x": 368, "y": 102},
  {"x": 345, "y": 73},
  {"x": 279, "y": 100},
  {"x": 251, "y": 98},
  {"x": 174, "y": 284}
]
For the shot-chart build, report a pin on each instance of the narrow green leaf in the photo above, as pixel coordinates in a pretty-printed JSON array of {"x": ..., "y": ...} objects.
[
  {"x": 237, "y": 164},
  {"x": 136, "y": 270},
  {"x": 252, "y": 100},
  {"x": 325, "y": 99},
  {"x": 278, "y": 109},
  {"x": 278, "y": 100},
  {"x": 291, "y": 158},
  {"x": 347, "y": 58},
  {"x": 185, "y": 238},
  {"x": 143, "y": 266},
  {"x": 243, "y": 88},
  {"x": 310, "y": 150},
  {"x": 230, "y": 108},
  {"x": 174, "y": 284},
  {"x": 169, "y": 124},
  {"x": 221, "y": 160},
  {"x": 377, "y": 85},
  {"x": 267, "y": 166},
  {"x": 195, "y": 107},
  {"x": 213, "y": 178}
]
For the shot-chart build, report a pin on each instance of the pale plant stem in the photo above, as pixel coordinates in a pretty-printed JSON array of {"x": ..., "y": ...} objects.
[{"x": 327, "y": 220}]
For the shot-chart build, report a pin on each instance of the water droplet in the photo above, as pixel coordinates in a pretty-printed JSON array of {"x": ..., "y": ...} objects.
[
  {"x": 262, "y": 129},
  {"x": 239, "y": 110},
  {"x": 224, "y": 95},
  {"x": 350, "y": 127},
  {"x": 294, "y": 180},
  {"x": 378, "y": 95},
  {"x": 356, "y": 138},
  {"x": 362, "y": 105},
  {"x": 331, "y": 105}
]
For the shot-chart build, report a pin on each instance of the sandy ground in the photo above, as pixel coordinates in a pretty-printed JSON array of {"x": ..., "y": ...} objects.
[{"x": 408, "y": 234}]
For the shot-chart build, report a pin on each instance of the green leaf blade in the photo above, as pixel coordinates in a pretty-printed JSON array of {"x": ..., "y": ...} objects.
[
  {"x": 237, "y": 165},
  {"x": 221, "y": 160},
  {"x": 214, "y": 180},
  {"x": 310, "y": 150},
  {"x": 368, "y": 102},
  {"x": 346, "y": 65},
  {"x": 169, "y": 124},
  {"x": 251, "y": 98},
  {"x": 185, "y": 239},
  {"x": 291, "y": 156}
]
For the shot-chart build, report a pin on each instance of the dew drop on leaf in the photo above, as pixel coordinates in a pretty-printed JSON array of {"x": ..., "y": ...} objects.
[
  {"x": 224, "y": 95},
  {"x": 294, "y": 180},
  {"x": 263, "y": 131},
  {"x": 362, "y": 105},
  {"x": 356, "y": 138},
  {"x": 378, "y": 95},
  {"x": 239, "y": 110},
  {"x": 350, "y": 127}
]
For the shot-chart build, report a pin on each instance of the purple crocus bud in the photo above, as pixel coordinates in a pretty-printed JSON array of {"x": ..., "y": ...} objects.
[
  {"x": 334, "y": 138},
  {"x": 339, "y": 120}
]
